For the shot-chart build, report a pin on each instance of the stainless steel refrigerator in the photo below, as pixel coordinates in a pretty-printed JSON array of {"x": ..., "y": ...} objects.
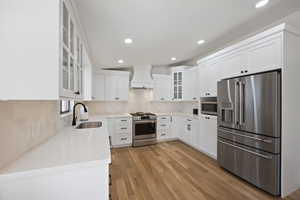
[{"x": 249, "y": 128}]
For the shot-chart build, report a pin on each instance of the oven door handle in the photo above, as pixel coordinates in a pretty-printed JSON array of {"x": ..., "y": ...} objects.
[{"x": 145, "y": 121}]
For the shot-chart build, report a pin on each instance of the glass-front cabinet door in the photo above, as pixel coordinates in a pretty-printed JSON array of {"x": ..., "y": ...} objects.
[
  {"x": 177, "y": 85},
  {"x": 71, "y": 56}
]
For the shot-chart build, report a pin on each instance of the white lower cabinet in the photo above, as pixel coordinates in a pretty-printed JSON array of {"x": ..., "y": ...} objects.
[
  {"x": 163, "y": 128},
  {"x": 120, "y": 130},
  {"x": 207, "y": 137},
  {"x": 190, "y": 132}
]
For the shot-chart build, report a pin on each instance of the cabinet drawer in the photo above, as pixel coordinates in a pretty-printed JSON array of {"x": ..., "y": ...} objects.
[
  {"x": 123, "y": 140},
  {"x": 163, "y": 122},
  {"x": 122, "y": 129},
  {"x": 163, "y": 134},
  {"x": 163, "y": 126},
  {"x": 123, "y": 122}
]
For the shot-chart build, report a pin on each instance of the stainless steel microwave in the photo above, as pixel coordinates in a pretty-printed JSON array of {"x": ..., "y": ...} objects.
[{"x": 209, "y": 106}]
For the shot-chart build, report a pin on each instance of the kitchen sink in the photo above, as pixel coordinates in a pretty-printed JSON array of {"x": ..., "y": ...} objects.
[{"x": 86, "y": 125}]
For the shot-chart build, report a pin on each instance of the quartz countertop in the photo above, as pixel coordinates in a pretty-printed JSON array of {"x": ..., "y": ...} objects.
[{"x": 69, "y": 147}]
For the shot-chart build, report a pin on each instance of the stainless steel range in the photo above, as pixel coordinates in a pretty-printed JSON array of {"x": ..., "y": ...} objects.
[{"x": 144, "y": 129}]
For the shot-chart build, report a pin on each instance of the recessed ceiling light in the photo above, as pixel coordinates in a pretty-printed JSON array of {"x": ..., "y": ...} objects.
[
  {"x": 128, "y": 41},
  {"x": 201, "y": 42},
  {"x": 173, "y": 59},
  {"x": 261, "y": 3},
  {"x": 120, "y": 61}
]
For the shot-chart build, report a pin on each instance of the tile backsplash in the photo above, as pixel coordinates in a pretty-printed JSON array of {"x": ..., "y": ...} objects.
[
  {"x": 24, "y": 125},
  {"x": 139, "y": 101}
]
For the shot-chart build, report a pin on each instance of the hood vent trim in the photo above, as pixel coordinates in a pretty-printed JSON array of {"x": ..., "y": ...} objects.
[{"x": 142, "y": 78}]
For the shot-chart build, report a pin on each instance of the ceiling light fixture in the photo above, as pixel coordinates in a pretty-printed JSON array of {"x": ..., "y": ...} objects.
[
  {"x": 128, "y": 41},
  {"x": 201, "y": 42},
  {"x": 120, "y": 61},
  {"x": 261, "y": 3},
  {"x": 173, "y": 59}
]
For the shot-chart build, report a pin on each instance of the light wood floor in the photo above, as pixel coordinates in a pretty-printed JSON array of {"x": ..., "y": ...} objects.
[{"x": 174, "y": 171}]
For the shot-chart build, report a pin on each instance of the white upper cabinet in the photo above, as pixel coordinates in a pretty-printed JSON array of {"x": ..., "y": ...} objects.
[
  {"x": 162, "y": 87},
  {"x": 233, "y": 65},
  {"x": 116, "y": 86},
  {"x": 72, "y": 67},
  {"x": 266, "y": 54},
  {"x": 98, "y": 87},
  {"x": 208, "y": 77},
  {"x": 40, "y": 54},
  {"x": 260, "y": 53},
  {"x": 177, "y": 83},
  {"x": 191, "y": 84}
]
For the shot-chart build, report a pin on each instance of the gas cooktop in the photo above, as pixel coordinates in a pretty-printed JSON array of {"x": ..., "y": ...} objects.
[{"x": 142, "y": 114}]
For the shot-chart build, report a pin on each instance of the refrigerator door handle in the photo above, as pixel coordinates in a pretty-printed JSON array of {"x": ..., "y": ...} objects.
[
  {"x": 248, "y": 151},
  {"x": 246, "y": 136},
  {"x": 242, "y": 103},
  {"x": 236, "y": 104}
]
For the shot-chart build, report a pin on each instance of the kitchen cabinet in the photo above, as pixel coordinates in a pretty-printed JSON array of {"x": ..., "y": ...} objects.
[
  {"x": 234, "y": 64},
  {"x": 190, "y": 132},
  {"x": 266, "y": 54},
  {"x": 207, "y": 137},
  {"x": 177, "y": 126},
  {"x": 177, "y": 83},
  {"x": 191, "y": 86},
  {"x": 110, "y": 85},
  {"x": 120, "y": 131},
  {"x": 116, "y": 86},
  {"x": 208, "y": 78},
  {"x": 98, "y": 87},
  {"x": 42, "y": 61},
  {"x": 162, "y": 87},
  {"x": 72, "y": 62},
  {"x": 164, "y": 128}
]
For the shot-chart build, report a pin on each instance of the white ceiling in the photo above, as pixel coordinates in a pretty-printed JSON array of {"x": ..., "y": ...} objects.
[{"x": 160, "y": 29}]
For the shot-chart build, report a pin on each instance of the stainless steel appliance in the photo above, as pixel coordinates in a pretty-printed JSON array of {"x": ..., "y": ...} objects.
[
  {"x": 209, "y": 105},
  {"x": 144, "y": 129},
  {"x": 249, "y": 128}
]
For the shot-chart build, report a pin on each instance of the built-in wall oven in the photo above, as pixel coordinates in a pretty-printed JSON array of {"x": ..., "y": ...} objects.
[
  {"x": 209, "y": 106},
  {"x": 144, "y": 129}
]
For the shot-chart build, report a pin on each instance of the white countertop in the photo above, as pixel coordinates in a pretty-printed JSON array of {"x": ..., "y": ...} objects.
[
  {"x": 178, "y": 114},
  {"x": 70, "y": 147}
]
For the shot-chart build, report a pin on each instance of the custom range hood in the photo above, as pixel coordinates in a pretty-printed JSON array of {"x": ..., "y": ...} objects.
[{"x": 142, "y": 78}]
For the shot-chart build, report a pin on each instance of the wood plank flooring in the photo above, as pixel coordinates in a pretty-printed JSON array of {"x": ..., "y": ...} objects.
[{"x": 174, "y": 171}]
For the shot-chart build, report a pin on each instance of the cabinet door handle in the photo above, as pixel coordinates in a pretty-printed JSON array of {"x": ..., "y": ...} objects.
[
  {"x": 162, "y": 99},
  {"x": 123, "y": 128},
  {"x": 163, "y": 134},
  {"x": 123, "y": 139},
  {"x": 123, "y": 120},
  {"x": 246, "y": 71},
  {"x": 117, "y": 98}
]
